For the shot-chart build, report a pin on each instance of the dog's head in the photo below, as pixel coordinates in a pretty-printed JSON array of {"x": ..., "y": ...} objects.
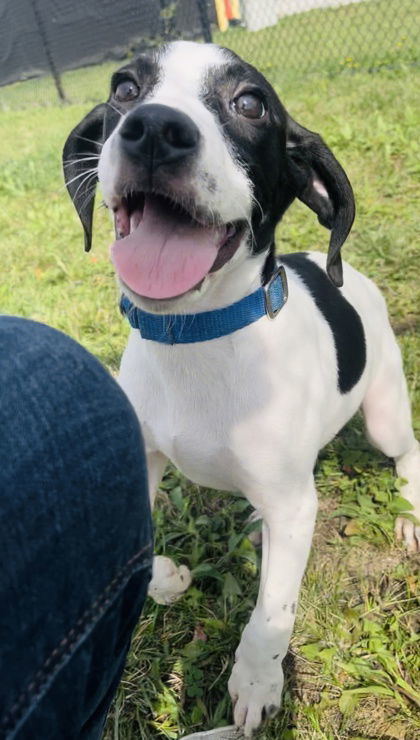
[{"x": 198, "y": 159}]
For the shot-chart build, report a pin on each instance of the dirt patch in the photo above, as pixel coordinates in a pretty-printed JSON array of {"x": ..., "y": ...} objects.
[
  {"x": 374, "y": 718},
  {"x": 410, "y": 324}
]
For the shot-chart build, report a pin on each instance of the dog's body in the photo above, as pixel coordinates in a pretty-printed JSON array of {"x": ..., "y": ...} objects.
[
  {"x": 276, "y": 382},
  {"x": 249, "y": 410}
]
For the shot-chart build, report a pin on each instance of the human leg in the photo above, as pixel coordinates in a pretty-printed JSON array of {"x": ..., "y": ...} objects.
[{"x": 75, "y": 534}]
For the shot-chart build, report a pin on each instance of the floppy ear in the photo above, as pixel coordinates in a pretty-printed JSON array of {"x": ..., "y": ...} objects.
[
  {"x": 80, "y": 162},
  {"x": 322, "y": 184}
]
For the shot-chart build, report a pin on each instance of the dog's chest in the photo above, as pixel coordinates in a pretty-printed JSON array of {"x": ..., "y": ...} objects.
[
  {"x": 229, "y": 410},
  {"x": 199, "y": 425},
  {"x": 197, "y": 444},
  {"x": 200, "y": 405}
]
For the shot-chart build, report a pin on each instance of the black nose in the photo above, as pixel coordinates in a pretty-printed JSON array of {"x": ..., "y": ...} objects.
[{"x": 158, "y": 134}]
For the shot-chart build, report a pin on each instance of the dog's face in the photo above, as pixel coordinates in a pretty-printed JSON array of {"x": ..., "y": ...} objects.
[{"x": 198, "y": 159}]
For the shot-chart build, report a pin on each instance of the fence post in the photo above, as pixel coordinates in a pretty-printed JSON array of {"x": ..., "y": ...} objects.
[
  {"x": 204, "y": 19},
  {"x": 50, "y": 59}
]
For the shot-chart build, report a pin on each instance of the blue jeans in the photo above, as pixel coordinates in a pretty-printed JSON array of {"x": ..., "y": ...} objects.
[{"x": 75, "y": 535}]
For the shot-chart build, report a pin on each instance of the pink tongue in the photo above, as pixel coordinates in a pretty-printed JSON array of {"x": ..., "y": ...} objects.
[{"x": 164, "y": 256}]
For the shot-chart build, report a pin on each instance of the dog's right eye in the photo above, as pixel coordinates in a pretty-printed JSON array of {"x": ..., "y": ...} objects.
[
  {"x": 126, "y": 90},
  {"x": 249, "y": 105}
]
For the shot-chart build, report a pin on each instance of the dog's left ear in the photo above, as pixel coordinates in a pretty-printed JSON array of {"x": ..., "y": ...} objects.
[
  {"x": 80, "y": 162},
  {"x": 321, "y": 183}
]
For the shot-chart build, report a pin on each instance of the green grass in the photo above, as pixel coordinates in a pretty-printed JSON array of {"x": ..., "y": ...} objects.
[
  {"x": 352, "y": 665},
  {"x": 80, "y": 86}
]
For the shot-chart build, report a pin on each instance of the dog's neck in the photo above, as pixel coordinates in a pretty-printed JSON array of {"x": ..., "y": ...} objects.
[{"x": 267, "y": 300}]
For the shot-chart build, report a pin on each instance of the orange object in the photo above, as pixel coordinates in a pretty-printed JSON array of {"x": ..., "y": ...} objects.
[{"x": 228, "y": 10}]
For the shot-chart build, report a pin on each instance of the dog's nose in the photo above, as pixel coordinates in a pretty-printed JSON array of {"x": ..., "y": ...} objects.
[{"x": 159, "y": 134}]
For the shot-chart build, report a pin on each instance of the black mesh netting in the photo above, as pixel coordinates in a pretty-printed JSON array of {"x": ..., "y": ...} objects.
[{"x": 48, "y": 37}]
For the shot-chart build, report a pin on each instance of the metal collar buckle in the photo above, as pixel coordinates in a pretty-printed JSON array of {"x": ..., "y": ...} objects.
[{"x": 272, "y": 305}]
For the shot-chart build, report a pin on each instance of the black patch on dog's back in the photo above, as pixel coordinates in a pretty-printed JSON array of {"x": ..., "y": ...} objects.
[{"x": 344, "y": 321}]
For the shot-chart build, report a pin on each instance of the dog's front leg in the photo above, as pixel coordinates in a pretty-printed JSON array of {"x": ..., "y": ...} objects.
[
  {"x": 169, "y": 581},
  {"x": 256, "y": 681}
]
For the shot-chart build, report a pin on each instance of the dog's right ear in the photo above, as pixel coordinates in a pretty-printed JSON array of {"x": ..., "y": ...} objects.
[{"x": 80, "y": 162}]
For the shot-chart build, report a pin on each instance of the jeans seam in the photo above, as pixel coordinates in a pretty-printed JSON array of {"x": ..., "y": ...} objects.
[{"x": 66, "y": 646}]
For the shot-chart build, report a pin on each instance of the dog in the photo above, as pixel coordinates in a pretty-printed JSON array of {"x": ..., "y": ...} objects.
[{"x": 240, "y": 365}]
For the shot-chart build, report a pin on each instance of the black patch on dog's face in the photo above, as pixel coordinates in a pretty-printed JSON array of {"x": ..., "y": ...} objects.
[
  {"x": 143, "y": 72},
  {"x": 343, "y": 319},
  {"x": 259, "y": 144}
]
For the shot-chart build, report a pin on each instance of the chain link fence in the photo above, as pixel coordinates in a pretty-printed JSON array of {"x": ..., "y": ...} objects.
[
  {"x": 45, "y": 41},
  {"x": 326, "y": 35}
]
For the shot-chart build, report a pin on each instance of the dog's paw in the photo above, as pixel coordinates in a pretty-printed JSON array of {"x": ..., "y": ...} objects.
[
  {"x": 255, "y": 694},
  {"x": 409, "y": 532},
  {"x": 169, "y": 581},
  {"x": 408, "y": 467}
]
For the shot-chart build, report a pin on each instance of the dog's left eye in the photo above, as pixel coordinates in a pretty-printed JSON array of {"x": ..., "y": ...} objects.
[
  {"x": 126, "y": 90},
  {"x": 249, "y": 105}
]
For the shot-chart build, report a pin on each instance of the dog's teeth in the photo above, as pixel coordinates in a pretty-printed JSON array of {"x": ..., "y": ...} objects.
[{"x": 121, "y": 222}]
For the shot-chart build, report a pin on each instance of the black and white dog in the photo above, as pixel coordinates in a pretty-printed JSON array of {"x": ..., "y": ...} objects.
[{"x": 198, "y": 160}]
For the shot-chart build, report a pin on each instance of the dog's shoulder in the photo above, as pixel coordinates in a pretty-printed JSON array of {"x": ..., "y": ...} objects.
[{"x": 342, "y": 317}]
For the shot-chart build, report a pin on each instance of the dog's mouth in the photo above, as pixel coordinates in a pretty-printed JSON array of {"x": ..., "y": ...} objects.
[{"x": 164, "y": 249}]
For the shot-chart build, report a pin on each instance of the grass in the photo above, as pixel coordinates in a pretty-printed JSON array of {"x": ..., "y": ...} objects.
[{"x": 353, "y": 662}]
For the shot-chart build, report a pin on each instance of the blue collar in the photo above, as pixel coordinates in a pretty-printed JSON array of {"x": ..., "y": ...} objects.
[{"x": 200, "y": 327}]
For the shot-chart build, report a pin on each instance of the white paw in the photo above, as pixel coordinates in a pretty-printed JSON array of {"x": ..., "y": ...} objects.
[
  {"x": 409, "y": 532},
  {"x": 408, "y": 467},
  {"x": 255, "y": 693},
  {"x": 169, "y": 581}
]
